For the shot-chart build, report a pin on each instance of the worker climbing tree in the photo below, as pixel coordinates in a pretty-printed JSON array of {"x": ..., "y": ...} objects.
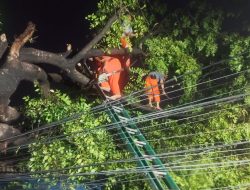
[{"x": 127, "y": 33}]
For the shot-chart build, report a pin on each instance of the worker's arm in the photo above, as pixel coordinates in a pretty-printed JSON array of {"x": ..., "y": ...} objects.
[{"x": 162, "y": 87}]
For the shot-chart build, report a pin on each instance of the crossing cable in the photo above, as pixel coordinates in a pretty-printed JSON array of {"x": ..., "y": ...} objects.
[
  {"x": 46, "y": 126},
  {"x": 169, "y": 122},
  {"x": 45, "y": 143},
  {"x": 220, "y": 188},
  {"x": 162, "y": 155},
  {"x": 199, "y": 100},
  {"x": 172, "y": 168},
  {"x": 137, "y": 170},
  {"x": 162, "y": 114},
  {"x": 97, "y": 108},
  {"x": 143, "y": 179},
  {"x": 117, "y": 103},
  {"x": 170, "y": 164},
  {"x": 166, "y": 89},
  {"x": 199, "y": 160},
  {"x": 187, "y": 73},
  {"x": 58, "y": 137},
  {"x": 187, "y": 150},
  {"x": 205, "y": 82},
  {"x": 183, "y": 88},
  {"x": 180, "y": 175},
  {"x": 78, "y": 115},
  {"x": 199, "y": 114},
  {"x": 149, "y": 117},
  {"x": 92, "y": 181},
  {"x": 175, "y": 153}
]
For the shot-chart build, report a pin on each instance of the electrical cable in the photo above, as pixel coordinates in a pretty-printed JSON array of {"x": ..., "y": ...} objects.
[{"x": 131, "y": 120}]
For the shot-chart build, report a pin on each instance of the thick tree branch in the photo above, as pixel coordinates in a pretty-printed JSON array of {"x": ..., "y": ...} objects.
[
  {"x": 35, "y": 56},
  {"x": 94, "y": 41},
  {"x": 38, "y": 56},
  {"x": 21, "y": 40},
  {"x": 115, "y": 51}
]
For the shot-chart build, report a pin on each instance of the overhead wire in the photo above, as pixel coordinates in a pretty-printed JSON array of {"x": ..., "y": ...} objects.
[
  {"x": 77, "y": 115},
  {"x": 162, "y": 155},
  {"x": 139, "y": 120},
  {"x": 166, "y": 89},
  {"x": 149, "y": 117},
  {"x": 136, "y": 170}
]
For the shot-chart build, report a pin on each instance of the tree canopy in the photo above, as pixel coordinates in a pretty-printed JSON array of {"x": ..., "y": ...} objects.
[{"x": 203, "y": 47}]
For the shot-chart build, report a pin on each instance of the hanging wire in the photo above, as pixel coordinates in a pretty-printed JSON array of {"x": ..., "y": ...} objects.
[
  {"x": 187, "y": 167},
  {"x": 163, "y": 114},
  {"x": 95, "y": 109}
]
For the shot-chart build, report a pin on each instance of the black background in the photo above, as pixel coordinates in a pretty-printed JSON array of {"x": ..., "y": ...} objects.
[{"x": 57, "y": 22}]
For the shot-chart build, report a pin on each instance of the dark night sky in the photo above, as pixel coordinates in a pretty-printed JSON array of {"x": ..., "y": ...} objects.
[
  {"x": 62, "y": 21},
  {"x": 58, "y": 21}
]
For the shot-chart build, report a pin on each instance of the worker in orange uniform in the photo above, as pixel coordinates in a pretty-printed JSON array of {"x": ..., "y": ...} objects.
[
  {"x": 125, "y": 59},
  {"x": 153, "y": 80},
  {"x": 110, "y": 76},
  {"x": 127, "y": 33}
]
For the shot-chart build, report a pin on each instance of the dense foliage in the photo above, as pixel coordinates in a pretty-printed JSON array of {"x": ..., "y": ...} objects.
[
  {"x": 80, "y": 145},
  {"x": 178, "y": 41}
]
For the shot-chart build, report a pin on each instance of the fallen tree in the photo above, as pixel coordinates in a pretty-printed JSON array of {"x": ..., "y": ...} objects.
[{"x": 19, "y": 63}]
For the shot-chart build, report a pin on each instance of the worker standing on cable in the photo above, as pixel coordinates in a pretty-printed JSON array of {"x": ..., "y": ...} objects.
[{"x": 153, "y": 81}]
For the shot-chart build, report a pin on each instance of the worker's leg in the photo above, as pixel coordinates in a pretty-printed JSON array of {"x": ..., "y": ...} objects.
[
  {"x": 149, "y": 91},
  {"x": 158, "y": 106},
  {"x": 156, "y": 92},
  {"x": 157, "y": 99},
  {"x": 150, "y": 98},
  {"x": 114, "y": 86}
]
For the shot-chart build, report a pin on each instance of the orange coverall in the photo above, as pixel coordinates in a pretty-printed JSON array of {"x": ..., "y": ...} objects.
[
  {"x": 153, "y": 90},
  {"x": 113, "y": 66}
]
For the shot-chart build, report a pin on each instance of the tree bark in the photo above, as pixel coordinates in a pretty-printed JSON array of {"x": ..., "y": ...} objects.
[{"x": 21, "y": 64}]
